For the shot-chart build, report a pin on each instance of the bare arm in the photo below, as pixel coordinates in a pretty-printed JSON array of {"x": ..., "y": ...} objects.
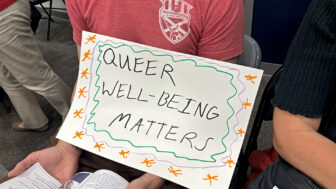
[{"x": 296, "y": 139}]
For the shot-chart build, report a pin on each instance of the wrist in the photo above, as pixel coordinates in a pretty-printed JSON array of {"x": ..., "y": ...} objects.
[{"x": 69, "y": 148}]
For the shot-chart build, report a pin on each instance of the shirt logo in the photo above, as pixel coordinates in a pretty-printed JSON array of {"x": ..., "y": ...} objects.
[{"x": 174, "y": 19}]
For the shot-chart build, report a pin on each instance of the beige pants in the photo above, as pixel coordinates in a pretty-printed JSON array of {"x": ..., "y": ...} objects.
[{"x": 23, "y": 68}]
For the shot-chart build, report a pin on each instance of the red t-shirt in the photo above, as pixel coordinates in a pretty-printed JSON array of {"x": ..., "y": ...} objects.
[
  {"x": 207, "y": 28},
  {"x": 5, "y": 3}
]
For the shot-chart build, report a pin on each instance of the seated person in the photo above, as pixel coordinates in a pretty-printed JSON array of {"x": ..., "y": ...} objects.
[
  {"x": 212, "y": 29},
  {"x": 304, "y": 95}
]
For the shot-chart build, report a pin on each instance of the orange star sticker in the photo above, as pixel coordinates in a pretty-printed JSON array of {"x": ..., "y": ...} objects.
[
  {"x": 229, "y": 161},
  {"x": 210, "y": 178},
  {"x": 175, "y": 172},
  {"x": 148, "y": 162},
  {"x": 123, "y": 153},
  {"x": 84, "y": 73},
  {"x": 250, "y": 78},
  {"x": 78, "y": 113},
  {"x": 86, "y": 55},
  {"x": 81, "y": 92},
  {"x": 240, "y": 132},
  {"x": 78, "y": 134},
  {"x": 247, "y": 103},
  {"x": 99, "y": 146},
  {"x": 92, "y": 39}
]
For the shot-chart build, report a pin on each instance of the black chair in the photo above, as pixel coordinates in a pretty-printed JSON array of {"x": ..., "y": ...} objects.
[
  {"x": 264, "y": 113},
  {"x": 40, "y": 2}
]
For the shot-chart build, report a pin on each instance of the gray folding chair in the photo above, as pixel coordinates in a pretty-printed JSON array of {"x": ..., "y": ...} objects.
[{"x": 251, "y": 55}]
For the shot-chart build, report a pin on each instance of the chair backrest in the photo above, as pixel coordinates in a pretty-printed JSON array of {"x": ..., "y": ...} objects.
[{"x": 251, "y": 55}]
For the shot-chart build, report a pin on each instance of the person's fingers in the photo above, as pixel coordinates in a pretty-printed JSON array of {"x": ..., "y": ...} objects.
[{"x": 23, "y": 165}]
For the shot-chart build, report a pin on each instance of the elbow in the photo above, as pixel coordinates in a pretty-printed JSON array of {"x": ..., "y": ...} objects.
[
  {"x": 284, "y": 141},
  {"x": 279, "y": 142}
]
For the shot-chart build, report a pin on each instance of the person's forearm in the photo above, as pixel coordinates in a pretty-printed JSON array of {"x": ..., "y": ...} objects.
[
  {"x": 304, "y": 148},
  {"x": 69, "y": 147}
]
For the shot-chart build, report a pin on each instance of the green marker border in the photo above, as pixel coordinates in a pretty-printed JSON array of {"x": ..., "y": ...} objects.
[{"x": 183, "y": 60}]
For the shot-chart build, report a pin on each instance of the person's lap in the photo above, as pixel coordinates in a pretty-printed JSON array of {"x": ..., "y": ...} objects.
[{"x": 91, "y": 162}]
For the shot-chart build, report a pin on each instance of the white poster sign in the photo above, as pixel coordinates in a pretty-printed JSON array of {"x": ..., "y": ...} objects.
[{"x": 178, "y": 116}]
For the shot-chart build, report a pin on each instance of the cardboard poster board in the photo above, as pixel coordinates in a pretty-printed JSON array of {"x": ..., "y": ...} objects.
[{"x": 178, "y": 116}]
